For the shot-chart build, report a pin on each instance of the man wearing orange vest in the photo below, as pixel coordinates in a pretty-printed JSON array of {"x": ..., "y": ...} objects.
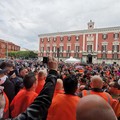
[
  {"x": 59, "y": 87},
  {"x": 63, "y": 106},
  {"x": 41, "y": 81},
  {"x": 25, "y": 96},
  {"x": 116, "y": 107},
  {"x": 96, "y": 88}
]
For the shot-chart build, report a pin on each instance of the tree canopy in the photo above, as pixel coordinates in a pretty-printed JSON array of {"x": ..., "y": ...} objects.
[{"x": 22, "y": 54}]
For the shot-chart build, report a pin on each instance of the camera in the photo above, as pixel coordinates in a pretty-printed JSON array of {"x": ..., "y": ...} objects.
[{"x": 45, "y": 60}]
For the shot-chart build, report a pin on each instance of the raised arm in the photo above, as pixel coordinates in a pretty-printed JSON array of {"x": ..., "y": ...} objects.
[{"x": 38, "y": 109}]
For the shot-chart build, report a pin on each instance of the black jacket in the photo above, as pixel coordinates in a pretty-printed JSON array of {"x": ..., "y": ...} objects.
[
  {"x": 9, "y": 89},
  {"x": 38, "y": 109}
]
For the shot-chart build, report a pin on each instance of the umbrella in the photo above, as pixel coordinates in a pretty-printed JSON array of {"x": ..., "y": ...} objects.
[{"x": 72, "y": 60}]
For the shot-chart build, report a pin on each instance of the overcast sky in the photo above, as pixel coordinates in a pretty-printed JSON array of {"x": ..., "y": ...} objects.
[{"x": 21, "y": 21}]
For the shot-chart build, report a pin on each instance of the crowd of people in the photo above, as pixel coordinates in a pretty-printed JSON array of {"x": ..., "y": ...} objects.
[{"x": 59, "y": 91}]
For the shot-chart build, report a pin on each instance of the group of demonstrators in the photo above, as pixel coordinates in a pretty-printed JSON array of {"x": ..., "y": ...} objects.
[{"x": 59, "y": 91}]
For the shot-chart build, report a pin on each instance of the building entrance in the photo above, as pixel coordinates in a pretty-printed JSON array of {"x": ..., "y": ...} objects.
[{"x": 89, "y": 59}]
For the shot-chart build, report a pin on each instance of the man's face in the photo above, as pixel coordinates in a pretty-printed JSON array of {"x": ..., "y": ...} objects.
[
  {"x": 9, "y": 69},
  {"x": 1, "y": 75},
  {"x": 24, "y": 72}
]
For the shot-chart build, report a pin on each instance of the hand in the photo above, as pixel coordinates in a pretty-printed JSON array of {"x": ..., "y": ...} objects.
[{"x": 52, "y": 64}]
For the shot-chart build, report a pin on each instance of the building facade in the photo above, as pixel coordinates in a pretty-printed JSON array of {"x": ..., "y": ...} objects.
[
  {"x": 6, "y": 46},
  {"x": 93, "y": 45}
]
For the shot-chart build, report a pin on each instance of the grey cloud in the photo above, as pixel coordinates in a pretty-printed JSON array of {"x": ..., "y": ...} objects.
[{"x": 22, "y": 20}]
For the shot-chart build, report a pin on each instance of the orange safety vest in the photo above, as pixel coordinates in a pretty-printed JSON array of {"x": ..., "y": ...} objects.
[
  {"x": 63, "y": 107},
  {"x": 40, "y": 86},
  {"x": 117, "y": 108},
  {"x": 21, "y": 101},
  {"x": 104, "y": 95},
  {"x": 115, "y": 91},
  {"x": 81, "y": 71},
  {"x": 6, "y": 109},
  {"x": 58, "y": 92}
]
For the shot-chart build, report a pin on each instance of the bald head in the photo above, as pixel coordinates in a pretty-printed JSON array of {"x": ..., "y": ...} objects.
[
  {"x": 59, "y": 84},
  {"x": 96, "y": 82},
  {"x": 94, "y": 107},
  {"x": 41, "y": 75}
]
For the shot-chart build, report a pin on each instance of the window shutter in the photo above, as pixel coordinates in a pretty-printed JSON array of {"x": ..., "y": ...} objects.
[
  {"x": 106, "y": 36},
  {"x": 117, "y": 48},
  {"x": 102, "y": 48},
  {"x": 112, "y": 48},
  {"x": 102, "y": 36},
  {"x": 114, "y": 35}
]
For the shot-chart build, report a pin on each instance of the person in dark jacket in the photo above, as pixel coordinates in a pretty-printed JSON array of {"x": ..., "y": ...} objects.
[
  {"x": 8, "y": 85},
  {"x": 38, "y": 109}
]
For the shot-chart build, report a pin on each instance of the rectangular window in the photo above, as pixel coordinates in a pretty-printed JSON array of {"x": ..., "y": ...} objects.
[
  {"x": 48, "y": 39},
  {"x": 104, "y": 48},
  {"x": 54, "y": 39},
  {"x": 68, "y": 54},
  {"x": 115, "y": 56},
  {"x": 104, "y": 36},
  {"x": 76, "y": 55},
  {"x": 54, "y": 49},
  {"x": 115, "y": 48},
  {"x": 77, "y": 38},
  {"x": 42, "y": 49},
  {"x": 48, "y": 49},
  {"x": 61, "y": 48},
  {"x": 116, "y": 35},
  {"x": 69, "y": 38},
  {"x": 77, "y": 48},
  {"x": 61, "y": 38},
  {"x": 47, "y": 54},
  {"x": 68, "y": 48},
  {"x": 61, "y": 55},
  {"x": 104, "y": 56},
  {"x": 89, "y": 48}
]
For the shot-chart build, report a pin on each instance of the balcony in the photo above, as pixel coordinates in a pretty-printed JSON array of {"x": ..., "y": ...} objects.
[
  {"x": 86, "y": 53},
  {"x": 89, "y": 51},
  {"x": 115, "y": 51},
  {"x": 68, "y": 51}
]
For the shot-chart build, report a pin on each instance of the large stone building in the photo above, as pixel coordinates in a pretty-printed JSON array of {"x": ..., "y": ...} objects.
[
  {"x": 6, "y": 46},
  {"x": 93, "y": 45}
]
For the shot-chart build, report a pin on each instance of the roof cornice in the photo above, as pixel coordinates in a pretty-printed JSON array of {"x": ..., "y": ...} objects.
[{"x": 78, "y": 32}]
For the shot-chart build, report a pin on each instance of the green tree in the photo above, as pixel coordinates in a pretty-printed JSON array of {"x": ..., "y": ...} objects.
[{"x": 22, "y": 54}]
